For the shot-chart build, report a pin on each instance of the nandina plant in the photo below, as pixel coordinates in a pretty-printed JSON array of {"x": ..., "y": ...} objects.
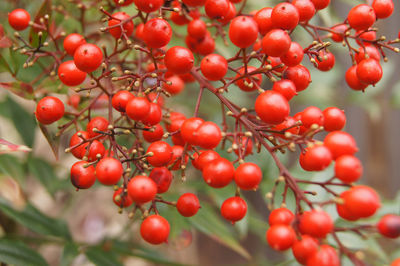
[{"x": 125, "y": 62}]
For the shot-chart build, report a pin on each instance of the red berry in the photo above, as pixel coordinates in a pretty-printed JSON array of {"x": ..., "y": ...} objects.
[
  {"x": 369, "y": 71},
  {"x": 155, "y": 115},
  {"x": 214, "y": 67},
  {"x": 276, "y": 42},
  {"x": 396, "y": 262},
  {"x": 338, "y": 34},
  {"x": 334, "y": 119},
  {"x": 82, "y": 177},
  {"x": 272, "y": 107},
  {"x": 343, "y": 210},
  {"x": 234, "y": 209},
  {"x": 320, "y": 4},
  {"x": 174, "y": 85},
  {"x": 247, "y": 84},
  {"x": 95, "y": 148},
  {"x": 216, "y": 8},
  {"x": 243, "y": 31},
  {"x": 148, "y": 6},
  {"x": 264, "y": 21},
  {"x": 157, "y": 33},
  {"x": 155, "y": 229},
  {"x": 325, "y": 256},
  {"x": 162, "y": 153},
  {"x": 368, "y": 51},
  {"x": 118, "y": 18},
  {"x": 285, "y": 16},
  {"x": 188, "y": 204},
  {"x": 280, "y": 237},
  {"x": 188, "y": 129},
  {"x": 304, "y": 248},
  {"x": 122, "y": 199},
  {"x": 109, "y": 171},
  {"x": 176, "y": 160},
  {"x": 361, "y": 17},
  {"x": 80, "y": 150},
  {"x": 49, "y": 110},
  {"x": 155, "y": 133},
  {"x": 248, "y": 176},
  {"x": 229, "y": 15},
  {"x": 340, "y": 143},
  {"x": 365, "y": 35},
  {"x": 142, "y": 189},
  {"x": 299, "y": 75},
  {"x": 19, "y": 19},
  {"x": 361, "y": 201},
  {"x": 389, "y": 226},
  {"x": 348, "y": 168},
  {"x": 70, "y": 75},
  {"x": 162, "y": 177},
  {"x": 281, "y": 216},
  {"x": 245, "y": 146},
  {"x": 72, "y": 42},
  {"x": 317, "y": 158},
  {"x": 121, "y": 99},
  {"x": 306, "y": 9},
  {"x": 294, "y": 55},
  {"x": 88, "y": 57},
  {"x": 327, "y": 61},
  {"x": 100, "y": 123},
  {"x": 179, "y": 60},
  {"x": 205, "y": 158},
  {"x": 197, "y": 29},
  {"x": 312, "y": 115},
  {"x": 176, "y": 121},
  {"x": 352, "y": 79},
  {"x": 316, "y": 223},
  {"x": 289, "y": 125},
  {"x": 383, "y": 8},
  {"x": 194, "y": 2},
  {"x": 218, "y": 173},
  {"x": 138, "y": 108},
  {"x": 208, "y": 135},
  {"x": 285, "y": 87}
]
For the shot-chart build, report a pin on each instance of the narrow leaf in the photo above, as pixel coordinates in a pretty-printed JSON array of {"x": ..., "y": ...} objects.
[
  {"x": 17, "y": 253},
  {"x": 8, "y": 147},
  {"x": 70, "y": 252},
  {"x": 45, "y": 9},
  {"x": 51, "y": 138},
  {"x": 102, "y": 257},
  {"x": 19, "y": 88}
]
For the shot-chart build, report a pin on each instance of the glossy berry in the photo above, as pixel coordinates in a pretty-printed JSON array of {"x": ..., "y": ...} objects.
[
  {"x": 88, "y": 57},
  {"x": 109, "y": 171},
  {"x": 340, "y": 143},
  {"x": 162, "y": 153},
  {"x": 155, "y": 133},
  {"x": 179, "y": 60},
  {"x": 243, "y": 31},
  {"x": 248, "y": 176},
  {"x": 234, "y": 209},
  {"x": 285, "y": 16},
  {"x": 389, "y": 226},
  {"x": 82, "y": 177},
  {"x": 325, "y": 256},
  {"x": 245, "y": 146},
  {"x": 334, "y": 119},
  {"x": 218, "y": 173},
  {"x": 100, "y": 123},
  {"x": 49, "y": 110},
  {"x": 19, "y": 19},
  {"x": 162, "y": 177},
  {"x": 197, "y": 29},
  {"x": 272, "y": 107},
  {"x": 188, "y": 129},
  {"x": 148, "y": 6},
  {"x": 229, "y": 15},
  {"x": 205, "y": 158},
  {"x": 317, "y": 158},
  {"x": 280, "y": 237},
  {"x": 321, "y": 4},
  {"x": 155, "y": 115},
  {"x": 155, "y": 229},
  {"x": 174, "y": 85},
  {"x": 214, "y": 67},
  {"x": 325, "y": 61},
  {"x": 352, "y": 79},
  {"x": 338, "y": 34},
  {"x": 263, "y": 20},
  {"x": 142, "y": 189},
  {"x": 118, "y": 18},
  {"x": 208, "y": 135},
  {"x": 369, "y": 71},
  {"x": 294, "y": 55},
  {"x": 96, "y": 150},
  {"x": 304, "y": 248},
  {"x": 194, "y": 2},
  {"x": 138, "y": 108},
  {"x": 316, "y": 223},
  {"x": 276, "y": 42},
  {"x": 176, "y": 160},
  {"x": 216, "y": 8},
  {"x": 348, "y": 168},
  {"x": 368, "y": 51},
  {"x": 300, "y": 76},
  {"x": 70, "y": 75},
  {"x": 157, "y": 33},
  {"x": 305, "y": 8},
  {"x": 383, "y": 8},
  {"x": 79, "y": 150},
  {"x": 361, "y": 17},
  {"x": 361, "y": 201},
  {"x": 281, "y": 216},
  {"x": 72, "y": 42},
  {"x": 122, "y": 199},
  {"x": 312, "y": 115},
  {"x": 396, "y": 262},
  {"x": 121, "y": 99},
  {"x": 188, "y": 204},
  {"x": 247, "y": 84},
  {"x": 285, "y": 87}
]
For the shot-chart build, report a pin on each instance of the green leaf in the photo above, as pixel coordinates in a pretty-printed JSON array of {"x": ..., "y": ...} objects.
[
  {"x": 12, "y": 167},
  {"x": 102, "y": 257},
  {"x": 70, "y": 252},
  {"x": 210, "y": 224},
  {"x": 23, "y": 121},
  {"x": 45, "y": 9},
  {"x": 17, "y": 253},
  {"x": 36, "y": 221},
  {"x": 44, "y": 172},
  {"x": 19, "y": 88},
  {"x": 51, "y": 138},
  {"x": 4, "y": 65}
]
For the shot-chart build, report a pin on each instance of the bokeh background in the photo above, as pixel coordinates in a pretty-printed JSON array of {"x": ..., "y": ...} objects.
[{"x": 42, "y": 216}]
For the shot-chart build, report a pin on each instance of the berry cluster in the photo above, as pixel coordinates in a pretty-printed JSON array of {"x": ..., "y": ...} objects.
[{"x": 132, "y": 75}]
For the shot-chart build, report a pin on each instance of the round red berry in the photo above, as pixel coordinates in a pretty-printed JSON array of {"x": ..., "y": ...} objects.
[
  {"x": 214, "y": 67},
  {"x": 281, "y": 216},
  {"x": 348, "y": 168},
  {"x": 138, "y": 108},
  {"x": 340, "y": 143},
  {"x": 121, "y": 198},
  {"x": 82, "y": 177},
  {"x": 389, "y": 226},
  {"x": 127, "y": 25},
  {"x": 99, "y": 123},
  {"x": 234, "y": 209},
  {"x": 316, "y": 223},
  {"x": 162, "y": 153},
  {"x": 276, "y": 42},
  {"x": 272, "y": 107},
  {"x": 188, "y": 204},
  {"x": 243, "y": 31},
  {"x": 334, "y": 119},
  {"x": 49, "y": 110},
  {"x": 88, "y": 57},
  {"x": 157, "y": 33},
  {"x": 280, "y": 237},
  {"x": 72, "y": 42},
  {"x": 218, "y": 173},
  {"x": 361, "y": 17},
  {"x": 248, "y": 176},
  {"x": 109, "y": 171},
  {"x": 162, "y": 177},
  {"x": 19, "y": 19},
  {"x": 121, "y": 99},
  {"x": 148, "y": 6},
  {"x": 142, "y": 189},
  {"x": 155, "y": 229},
  {"x": 285, "y": 16}
]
